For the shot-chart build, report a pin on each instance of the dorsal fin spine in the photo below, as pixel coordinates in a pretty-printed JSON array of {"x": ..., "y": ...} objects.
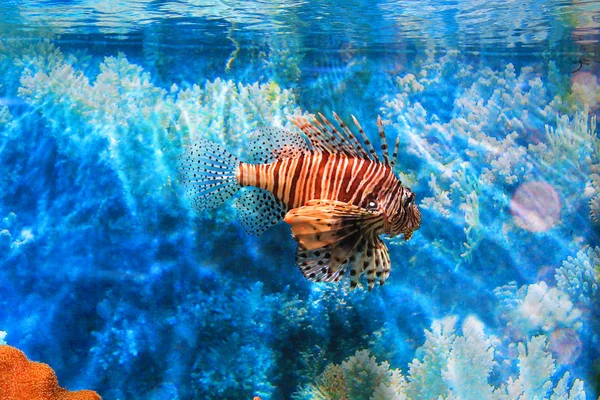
[
  {"x": 396, "y": 148},
  {"x": 339, "y": 141},
  {"x": 372, "y": 153},
  {"x": 384, "y": 146},
  {"x": 326, "y": 137},
  {"x": 308, "y": 129},
  {"x": 355, "y": 144}
]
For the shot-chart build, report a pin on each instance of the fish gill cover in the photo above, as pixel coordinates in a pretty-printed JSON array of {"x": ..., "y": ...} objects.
[{"x": 110, "y": 277}]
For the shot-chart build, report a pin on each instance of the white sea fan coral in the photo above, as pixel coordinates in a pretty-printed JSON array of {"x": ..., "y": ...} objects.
[
  {"x": 427, "y": 368},
  {"x": 440, "y": 202},
  {"x": 473, "y": 227},
  {"x": 576, "y": 276},
  {"x": 536, "y": 368},
  {"x": 561, "y": 390},
  {"x": 393, "y": 390},
  {"x": 547, "y": 308},
  {"x": 224, "y": 111},
  {"x": 5, "y": 117}
]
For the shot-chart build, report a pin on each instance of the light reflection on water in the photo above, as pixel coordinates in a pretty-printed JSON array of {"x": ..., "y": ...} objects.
[{"x": 472, "y": 24}]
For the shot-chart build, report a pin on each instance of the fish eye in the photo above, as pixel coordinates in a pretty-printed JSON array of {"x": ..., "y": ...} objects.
[{"x": 372, "y": 205}]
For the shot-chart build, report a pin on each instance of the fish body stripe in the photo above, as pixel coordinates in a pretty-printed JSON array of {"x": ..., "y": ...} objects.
[
  {"x": 296, "y": 180},
  {"x": 320, "y": 175}
]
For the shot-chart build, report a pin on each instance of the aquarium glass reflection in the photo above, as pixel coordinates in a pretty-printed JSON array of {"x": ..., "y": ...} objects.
[{"x": 140, "y": 257}]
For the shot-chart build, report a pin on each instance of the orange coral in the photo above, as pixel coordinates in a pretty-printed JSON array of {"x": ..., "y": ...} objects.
[{"x": 28, "y": 380}]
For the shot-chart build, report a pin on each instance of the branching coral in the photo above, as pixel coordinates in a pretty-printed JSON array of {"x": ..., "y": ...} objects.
[
  {"x": 363, "y": 375},
  {"x": 576, "y": 277},
  {"x": 24, "y": 379},
  {"x": 134, "y": 127},
  {"x": 360, "y": 377},
  {"x": 502, "y": 128},
  {"x": 536, "y": 308},
  {"x": 330, "y": 385},
  {"x": 454, "y": 366}
]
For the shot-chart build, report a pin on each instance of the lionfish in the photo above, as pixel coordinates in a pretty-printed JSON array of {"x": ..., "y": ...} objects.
[{"x": 337, "y": 195}]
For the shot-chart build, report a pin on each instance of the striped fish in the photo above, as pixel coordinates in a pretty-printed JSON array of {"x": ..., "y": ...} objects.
[{"x": 337, "y": 195}]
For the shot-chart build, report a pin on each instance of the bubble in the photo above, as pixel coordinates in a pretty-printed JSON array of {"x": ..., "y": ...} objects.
[
  {"x": 565, "y": 345},
  {"x": 535, "y": 206}
]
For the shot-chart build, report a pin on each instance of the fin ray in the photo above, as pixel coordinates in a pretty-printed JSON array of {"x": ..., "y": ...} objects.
[
  {"x": 330, "y": 238},
  {"x": 258, "y": 210},
  {"x": 323, "y": 222},
  {"x": 325, "y": 137},
  {"x": 207, "y": 172},
  {"x": 273, "y": 143}
]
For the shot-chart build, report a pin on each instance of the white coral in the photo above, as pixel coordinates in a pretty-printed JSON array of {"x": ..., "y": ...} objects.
[
  {"x": 425, "y": 371},
  {"x": 576, "y": 276},
  {"x": 470, "y": 362},
  {"x": 364, "y": 376},
  {"x": 454, "y": 366},
  {"x": 134, "y": 127},
  {"x": 547, "y": 309},
  {"x": 536, "y": 308}
]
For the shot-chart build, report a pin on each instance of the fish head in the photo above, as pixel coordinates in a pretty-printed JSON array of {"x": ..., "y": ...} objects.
[{"x": 401, "y": 215}]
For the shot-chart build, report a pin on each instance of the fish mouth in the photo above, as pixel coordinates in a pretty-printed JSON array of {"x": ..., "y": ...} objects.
[
  {"x": 409, "y": 223},
  {"x": 412, "y": 223}
]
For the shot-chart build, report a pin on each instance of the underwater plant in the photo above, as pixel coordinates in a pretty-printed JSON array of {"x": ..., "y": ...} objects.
[{"x": 576, "y": 277}]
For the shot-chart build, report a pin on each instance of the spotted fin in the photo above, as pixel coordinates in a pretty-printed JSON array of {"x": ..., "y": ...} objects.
[
  {"x": 269, "y": 144},
  {"x": 373, "y": 259},
  {"x": 328, "y": 233},
  {"x": 328, "y": 263},
  {"x": 207, "y": 172},
  {"x": 258, "y": 209}
]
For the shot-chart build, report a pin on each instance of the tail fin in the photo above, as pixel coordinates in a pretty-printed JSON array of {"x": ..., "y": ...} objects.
[{"x": 208, "y": 174}]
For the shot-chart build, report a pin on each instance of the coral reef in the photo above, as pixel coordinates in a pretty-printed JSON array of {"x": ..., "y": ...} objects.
[
  {"x": 24, "y": 379},
  {"x": 451, "y": 366},
  {"x": 577, "y": 278},
  {"x": 96, "y": 236},
  {"x": 490, "y": 145},
  {"x": 537, "y": 307}
]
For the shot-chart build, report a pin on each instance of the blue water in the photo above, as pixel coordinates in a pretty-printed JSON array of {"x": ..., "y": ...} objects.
[{"x": 110, "y": 277}]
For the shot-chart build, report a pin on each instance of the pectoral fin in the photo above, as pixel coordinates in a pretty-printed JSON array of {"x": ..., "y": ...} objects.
[
  {"x": 324, "y": 222},
  {"x": 328, "y": 233}
]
